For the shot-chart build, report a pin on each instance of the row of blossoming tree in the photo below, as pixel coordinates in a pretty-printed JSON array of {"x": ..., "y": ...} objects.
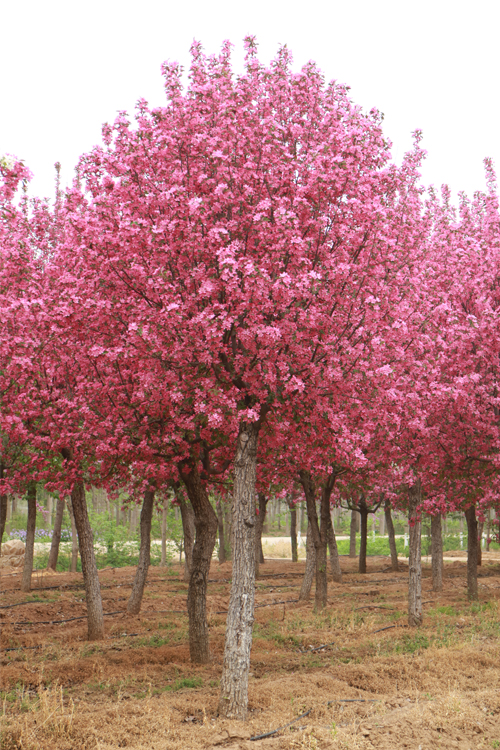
[{"x": 241, "y": 290}]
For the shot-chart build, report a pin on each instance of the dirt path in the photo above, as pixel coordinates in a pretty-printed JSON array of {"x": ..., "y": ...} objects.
[{"x": 363, "y": 678}]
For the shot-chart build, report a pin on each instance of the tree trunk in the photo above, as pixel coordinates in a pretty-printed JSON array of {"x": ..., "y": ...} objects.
[
  {"x": 74, "y": 538},
  {"x": 437, "y": 553},
  {"x": 56, "y": 535},
  {"x": 233, "y": 700},
  {"x": 480, "y": 528},
  {"x": 135, "y": 600},
  {"x": 3, "y": 517},
  {"x": 30, "y": 538},
  {"x": 334, "y": 555},
  {"x": 305, "y": 589},
  {"x": 415, "y": 558},
  {"x": 363, "y": 512},
  {"x": 392, "y": 536},
  {"x": 352, "y": 535},
  {"x": 259, "y": 525},
  {"x": 189, "y": 530},
  {"x": 293, "y": 534},
  {"x": 472, "y": 552},
  {"x": 163, "y": 560},
  {"x": 319, "y": 534},
  {"x": 228, "y": 532},
  {"x": 222, "y": 541},
  {"x": 205, "y": 522},
  {"x": 89, "y": 567}
]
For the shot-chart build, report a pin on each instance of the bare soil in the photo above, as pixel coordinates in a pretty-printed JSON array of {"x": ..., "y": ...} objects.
[{"x": 359, "y": 675}]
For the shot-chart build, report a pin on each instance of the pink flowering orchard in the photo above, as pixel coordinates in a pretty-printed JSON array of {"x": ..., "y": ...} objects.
[{"x": 242, "y": 286}]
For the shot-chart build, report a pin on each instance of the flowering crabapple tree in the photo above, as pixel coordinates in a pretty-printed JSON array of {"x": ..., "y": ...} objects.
[{"x": 230, "y": 235}]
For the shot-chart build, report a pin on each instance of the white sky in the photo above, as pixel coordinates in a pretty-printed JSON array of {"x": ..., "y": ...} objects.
[{"x": 67, "y": 67}]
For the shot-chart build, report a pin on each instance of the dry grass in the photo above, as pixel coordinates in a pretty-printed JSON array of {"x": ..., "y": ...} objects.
[{"x": 435, "y": 687}]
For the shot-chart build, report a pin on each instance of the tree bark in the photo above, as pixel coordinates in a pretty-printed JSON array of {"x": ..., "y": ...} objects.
[
  {"x": 56, "y": 535},
  {"x": 334, "y": 554},
  {"x": 233, "y": 701},
  {"x": 163, "y": 559},
  {"x": 222, "y": 541},
  {"x": 293, "y": 534},
  {"x": 392, "y": 536},
  {"x": 74, "y": 538},
  {"x": 437, "y": 553},
  {"x": 30, "y": 538},
  {"x": 135, "y": 600},
  {"x": 319, "y": 532},
  {"x": 89, "y": 567},
  {"x": 189, "y": 530},
  {"x": 415, "y": 558},
  {"x": 205, "y": 522},
  {"x": 259, "y": 525},
  {"x": 472, "y": 552},
  {"x": 3, "y": 517},
  {"x": 352, "y": 534},
  {"x": 4, "y": 502},
  {"x": 480, "y": 527},
  {"x": 363, "y": 512},
  {"x": 305, "y": 589}
]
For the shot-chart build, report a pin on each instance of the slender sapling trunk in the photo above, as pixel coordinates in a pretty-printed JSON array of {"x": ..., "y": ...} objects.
[
  {"x": 472, "y": 553},
  {"x": 334, "y": 554},
  {"x": 305, "y": 589},
  {"x": 437, "y": 553},
  {"x": 74, "y": 537},
  {"x": 163, "y": 560},
  {"x": 222, "y": 541},
  {"x": 56, "y": 535},
  {"x": 189, "y": 531},
  {"x": 259, "y": 525},
  {"x": 352, "y": 534},
  {"x": 205, "y": 522},
  {"x": 392, "y": 536},
  {"x": 89, "y": 566},
  {"x": 135, "y": 600},
  {"x": 30, "y": 538},
  {"x": 363, "y": 512},
  {"x": 293, "y": 534},
  {"x": 415, "y": 557}
]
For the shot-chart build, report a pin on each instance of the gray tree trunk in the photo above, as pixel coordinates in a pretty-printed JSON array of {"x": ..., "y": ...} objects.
[
  {"x": 293, "y": 534},
  {"x": 352, "y": 534},
  {"x": 363, "y": 512},
  {"x": 74, "y": 537},
  {"x": 472, "y": 553},
  {"x": 93, "y": 597},
  {"x": 135, "y": 600},
  {"x": 163, "y": 560},
  {"x": 222, "y": 541},
  {"x": 30, "y": 538},
  {"x": 392, "y": 536},
  {"x": 233, "y": 701},
  {"x": 415, "y": 558},
  {"x": 319, "y": 536},
  {"x": 206, "y": 530},
  {"x": 437, "y": 553},
  {"x": 305, "y": 589},
  {"x": 3, "y": 517},
  {"x": 56, "y": 535},
  {"x": 259, "y": 525},
  {"x": 189, "y": 530},
  {"x": 480, "y": 527},
  {"x": 334, "y": 555}
]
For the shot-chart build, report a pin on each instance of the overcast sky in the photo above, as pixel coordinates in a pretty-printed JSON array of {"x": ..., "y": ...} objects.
[{"x": 68, "y": 67}]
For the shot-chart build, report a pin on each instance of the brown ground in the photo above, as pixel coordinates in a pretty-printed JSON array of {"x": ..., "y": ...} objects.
[{"x": 435, "y": 687}]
